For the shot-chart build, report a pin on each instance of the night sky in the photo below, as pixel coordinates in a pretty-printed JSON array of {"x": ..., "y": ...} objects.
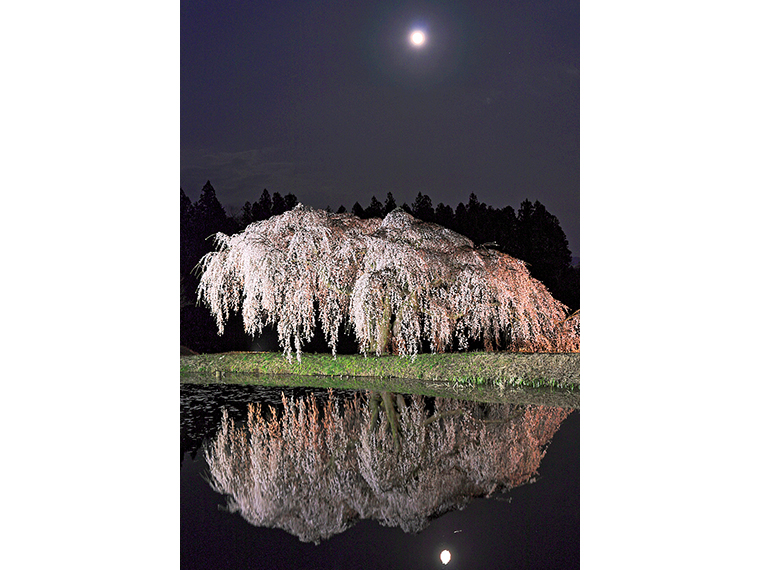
[{"x": 331, "y": 101}]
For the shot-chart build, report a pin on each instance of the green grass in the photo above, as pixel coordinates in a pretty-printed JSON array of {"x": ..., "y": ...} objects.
[{"x": 500, "y": 369}]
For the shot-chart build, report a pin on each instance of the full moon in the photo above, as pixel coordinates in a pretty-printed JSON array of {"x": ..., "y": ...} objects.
[
  {"x": 445, "y": 556},
  {"x": 417, "y": 37}
]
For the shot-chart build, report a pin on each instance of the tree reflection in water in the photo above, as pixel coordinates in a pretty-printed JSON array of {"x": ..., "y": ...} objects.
[{"x": 383, "y": 456}]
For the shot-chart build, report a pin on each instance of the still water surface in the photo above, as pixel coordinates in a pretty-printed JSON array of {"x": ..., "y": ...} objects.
[{"x": 374, "y": 480}]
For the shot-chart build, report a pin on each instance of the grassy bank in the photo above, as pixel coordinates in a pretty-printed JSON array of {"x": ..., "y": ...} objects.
[{"x": 500, "y": 369}]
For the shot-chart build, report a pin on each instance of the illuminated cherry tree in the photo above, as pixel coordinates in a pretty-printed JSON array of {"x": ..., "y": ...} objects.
[{"x": 398, "y": 282}]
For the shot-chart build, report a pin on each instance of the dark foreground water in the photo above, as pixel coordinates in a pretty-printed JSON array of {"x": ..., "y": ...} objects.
[{"x": 374, "y": 480}]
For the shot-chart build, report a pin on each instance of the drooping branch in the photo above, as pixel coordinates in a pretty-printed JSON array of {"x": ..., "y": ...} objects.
[{"x": 397, "y": 281}]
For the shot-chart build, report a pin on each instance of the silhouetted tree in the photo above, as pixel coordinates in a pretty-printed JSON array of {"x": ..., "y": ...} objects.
[
  {"x": 188, "y": 247},
  {"x": 278, "y": 204},
  {"x": 460, "y": 221},
  {"x": 198, "y": 222},
  {"x": 265, "y": 205},
  {"x": 185, "y": 221},
  {"x": 184, "y": 204},
  {"x": 444, "y": 216},
  {"x": 248, "y": 214},
  {"x": 506, "y": 231},
  {"x": 533, "y": 235},
  {"x": 290, "y": 201},
  {"x": 374, "y": 210},
  {"x": 477, "y": 226},
  {"x": 524, "y": 229},
  {"x": 357, "y": 210},
  {"x": 543, "y": 244},
  {"x": 569, "y": 288},
  {"x": 422, "y": 208},
  {"x": 208, "y": 212},
  {"x": 390, "y": 204}
]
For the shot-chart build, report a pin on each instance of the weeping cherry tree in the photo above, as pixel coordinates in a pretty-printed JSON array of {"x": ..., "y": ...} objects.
[{"x": 398, "y": 282}]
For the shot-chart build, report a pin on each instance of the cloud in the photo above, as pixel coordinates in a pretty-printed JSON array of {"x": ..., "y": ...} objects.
[{"x": 241, "y": 176}]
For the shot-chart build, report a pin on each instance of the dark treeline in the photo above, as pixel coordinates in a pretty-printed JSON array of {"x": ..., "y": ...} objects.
[
  {"x": 531, "y": 234},
  {"x": 199, "y": 222}
]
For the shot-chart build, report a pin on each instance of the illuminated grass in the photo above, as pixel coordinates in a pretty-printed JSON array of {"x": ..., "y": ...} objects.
[{"x": 499, "y": 369}]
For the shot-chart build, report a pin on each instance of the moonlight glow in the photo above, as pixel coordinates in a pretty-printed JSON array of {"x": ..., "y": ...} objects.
[
  {"x": 445, "y": 556},
  {"x": 417, "y": 37}
]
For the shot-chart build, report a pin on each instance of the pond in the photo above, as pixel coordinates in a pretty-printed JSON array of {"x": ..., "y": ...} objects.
[{"x": 283, "y": 477}]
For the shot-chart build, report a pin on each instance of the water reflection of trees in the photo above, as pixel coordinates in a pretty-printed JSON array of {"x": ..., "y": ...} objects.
[{"x": 315, "y": 471}]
